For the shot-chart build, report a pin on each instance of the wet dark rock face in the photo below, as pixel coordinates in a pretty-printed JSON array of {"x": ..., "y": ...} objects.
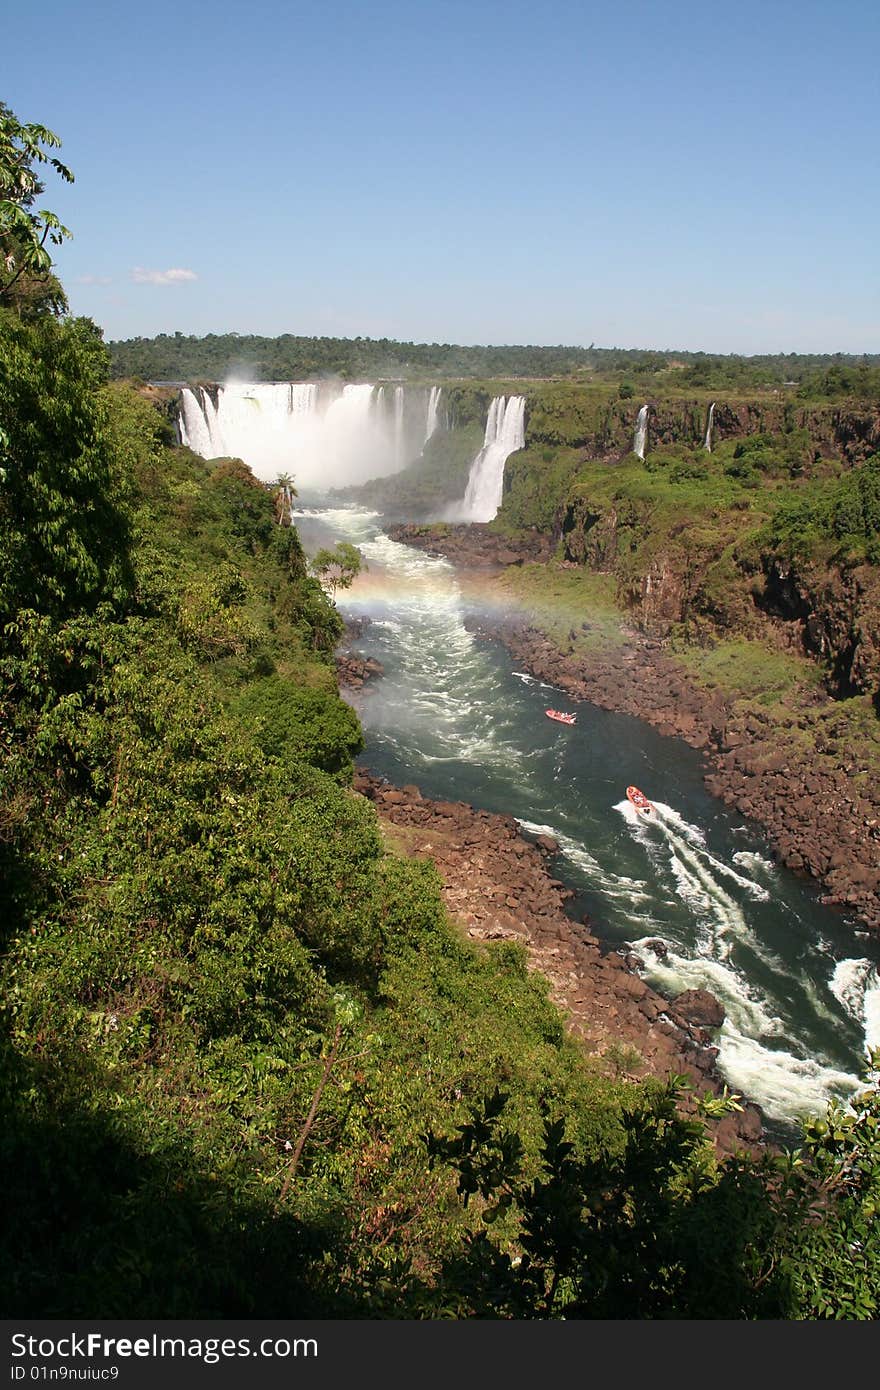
[
  {"x": 474, "y": 546},
  {"x": 352, "y": 669}
]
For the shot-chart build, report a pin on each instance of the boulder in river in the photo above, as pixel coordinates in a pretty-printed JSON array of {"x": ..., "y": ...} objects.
[
  {"x": 657, "y": 946},
  {"x": 697, "y": 1007},
  {"x": 547, "y": 844}
]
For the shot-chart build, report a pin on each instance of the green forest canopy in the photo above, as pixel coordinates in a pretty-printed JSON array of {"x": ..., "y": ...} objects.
[{"x": 180, "y": 358}]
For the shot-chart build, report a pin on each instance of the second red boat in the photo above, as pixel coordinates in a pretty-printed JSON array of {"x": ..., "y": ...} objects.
[{"x": 560, "y": 716}]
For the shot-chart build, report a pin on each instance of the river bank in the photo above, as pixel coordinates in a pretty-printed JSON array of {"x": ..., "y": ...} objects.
[
  {"x": 498, "y": 884},
  {"x": 794, "y": 771}
]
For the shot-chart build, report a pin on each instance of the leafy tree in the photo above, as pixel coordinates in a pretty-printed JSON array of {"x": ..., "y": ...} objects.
[
  {"x": 25, "y": 262},
  {"x": 338, "y": 568},
  {"x": 305, "y": 724},
  {"x": 644, "y": 1230},
  {"x": 64, "y": 528},
  {"x": 657, "y": 1228}
]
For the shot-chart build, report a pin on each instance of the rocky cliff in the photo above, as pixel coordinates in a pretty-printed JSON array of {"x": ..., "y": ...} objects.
[{"x": 604, "y": 427}]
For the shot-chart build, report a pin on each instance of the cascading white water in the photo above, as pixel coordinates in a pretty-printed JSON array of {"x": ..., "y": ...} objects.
[
  {"x": 197, "y": 418},
  {"x": 641, "y": 435},
  {"x": 433, "y": 408},
  {"x": 190, "y": 421},
  {"x": 399, "y": 399},
  {"x": 505, "y": 433},
  {"x": 325, "y": 436},
  {"x": 707, "y": 442}
]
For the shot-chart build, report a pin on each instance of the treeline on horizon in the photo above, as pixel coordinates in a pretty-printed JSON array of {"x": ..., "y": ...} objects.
[{"x": 216, "y": 357}]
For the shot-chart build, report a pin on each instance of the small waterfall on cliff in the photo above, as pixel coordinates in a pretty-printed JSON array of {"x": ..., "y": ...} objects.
[
  {"x": 641, "y": 435},
  {"x": 399, "y": 399},
  {"x": 324, "y": 435},
  {"x": 707, "y": 442},
  {"x": 505, "y": 433},
  {"x": 433, "y": 407}
]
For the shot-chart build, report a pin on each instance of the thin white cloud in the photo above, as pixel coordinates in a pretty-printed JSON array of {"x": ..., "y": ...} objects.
[
  {"x": 93, "y": 280},
  {"x": 175, "y": 276}
]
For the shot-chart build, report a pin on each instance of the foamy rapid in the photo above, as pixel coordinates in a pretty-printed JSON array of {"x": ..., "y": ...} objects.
[
  {"x": 755, "y": 863},
  {"x": 445, "y": 686},
  {"x": 673, "y": 973},
  {"x": 785, "y": 1083},
  {"x": 633, "y": 893},
  {"x": 856, "y": 984}
]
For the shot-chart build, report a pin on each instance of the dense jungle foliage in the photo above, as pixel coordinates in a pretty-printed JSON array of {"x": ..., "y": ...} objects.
[
  {"x": 247, "y": 1065},
  {"x": 180, "y": 357}
]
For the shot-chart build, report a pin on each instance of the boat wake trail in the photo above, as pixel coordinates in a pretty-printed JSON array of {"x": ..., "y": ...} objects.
[
  {"x": 533, "y": 680},
  {"x": 700, "y": 878},
  {"x": 633, "y": 894}
]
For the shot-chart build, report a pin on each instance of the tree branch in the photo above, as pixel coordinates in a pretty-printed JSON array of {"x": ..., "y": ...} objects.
[{"x": 310, "y": 1118}]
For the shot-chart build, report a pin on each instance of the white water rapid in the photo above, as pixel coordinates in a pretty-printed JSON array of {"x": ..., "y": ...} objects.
[
  {"x": 505, "y": 433},
  {"x": 325, "y": 435},
  {"x": 641, "y": 435}
]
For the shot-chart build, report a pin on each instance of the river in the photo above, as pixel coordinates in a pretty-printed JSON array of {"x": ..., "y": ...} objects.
[{"x": 454, "y": 715}]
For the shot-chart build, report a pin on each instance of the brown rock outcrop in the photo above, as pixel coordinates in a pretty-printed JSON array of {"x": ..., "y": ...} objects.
[
  {"x": 697, "y": 1007},
  {"x": 474, "y": 546}
]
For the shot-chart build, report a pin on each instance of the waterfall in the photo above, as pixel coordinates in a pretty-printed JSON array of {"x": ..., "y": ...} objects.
[
  {"x": 505, "y": 433},
  {"x": 641, "y": 435},
  {"x": 432, "y": 412},
  {"x": 323, "y": 435},
  {"x": 707, "y": 442},
  {"x": 399, "y": 444},
  {"x": 197, "y": 423},
  {"x": 346, "y": 427}
]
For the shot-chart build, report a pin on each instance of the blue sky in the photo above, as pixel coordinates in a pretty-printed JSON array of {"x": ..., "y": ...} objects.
[{"x": 636, "y": 174}]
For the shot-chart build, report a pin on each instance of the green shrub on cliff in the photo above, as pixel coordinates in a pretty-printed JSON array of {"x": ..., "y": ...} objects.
[
  {"x": 303, "y": 723},
  {"x": 652, "y": 1229},
  {"x": 840, "y": 516}
]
